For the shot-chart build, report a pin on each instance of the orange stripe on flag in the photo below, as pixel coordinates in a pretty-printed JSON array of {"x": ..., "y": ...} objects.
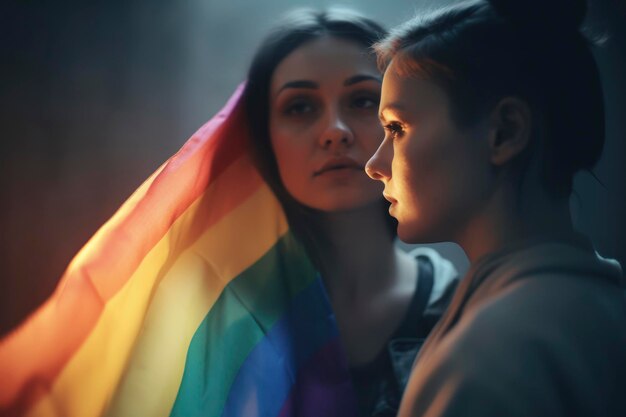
[{"x": 32, "y": 356}]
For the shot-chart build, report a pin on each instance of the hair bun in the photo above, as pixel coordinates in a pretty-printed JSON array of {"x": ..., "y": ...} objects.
[{"x": 552, "y": 15}]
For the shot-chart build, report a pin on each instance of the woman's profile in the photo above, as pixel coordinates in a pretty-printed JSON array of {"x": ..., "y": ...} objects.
[{"x": 490, "y": 108}]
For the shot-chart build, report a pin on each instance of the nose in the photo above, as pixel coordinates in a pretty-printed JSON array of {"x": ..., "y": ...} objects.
[
  {"x": 379, "y": 165},
  {"x": 337, "y": 133}
]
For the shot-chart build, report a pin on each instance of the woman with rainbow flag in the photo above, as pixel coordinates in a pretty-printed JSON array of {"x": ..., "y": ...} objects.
[
  {"x": 312, "y": 103},
  {"x": 255, "y": 272}
]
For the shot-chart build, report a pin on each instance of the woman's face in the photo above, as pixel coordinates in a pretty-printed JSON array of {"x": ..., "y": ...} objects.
[
  {"x": 436, "y": 175},
  {"x": 324, "y": 124}
]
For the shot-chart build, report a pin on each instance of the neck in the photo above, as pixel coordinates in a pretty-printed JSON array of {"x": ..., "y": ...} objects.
[
  {"x": 536, "y": 216},
  {"x": 360, "y": 257}
]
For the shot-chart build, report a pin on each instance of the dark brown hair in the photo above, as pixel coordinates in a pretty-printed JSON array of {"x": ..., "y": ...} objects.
[{"x": 482, "y": 51}]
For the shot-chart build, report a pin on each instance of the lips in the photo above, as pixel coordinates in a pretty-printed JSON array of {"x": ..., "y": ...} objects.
[
  {"x": 390, "y": 198},
  {"x": 337, "y": 164}
]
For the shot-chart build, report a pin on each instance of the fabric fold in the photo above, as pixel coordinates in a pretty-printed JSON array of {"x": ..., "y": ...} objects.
[{"x": 163, "y": 292}]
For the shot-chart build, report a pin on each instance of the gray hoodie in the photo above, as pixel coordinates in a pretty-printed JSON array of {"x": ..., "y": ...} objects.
[{"x": 535, "y": 330}]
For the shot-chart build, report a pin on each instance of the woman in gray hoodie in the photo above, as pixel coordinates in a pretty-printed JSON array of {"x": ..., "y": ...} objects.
[{"x": 490, "y": 108}]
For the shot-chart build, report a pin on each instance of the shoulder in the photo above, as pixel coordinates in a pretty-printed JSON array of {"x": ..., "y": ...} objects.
[
  {"x": 546, "y": 304},
  {"x": 544, "y": 319},
  {"x": 518, "y": 349},
  {"x": 543, "y": 333}
]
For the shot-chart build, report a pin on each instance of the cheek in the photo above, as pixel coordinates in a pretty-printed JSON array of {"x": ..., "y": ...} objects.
[
  {"x": 293, "y": 157},
  {"x": 418, "y": 160},
  {"x": 447, "y": 179},
  {"x": 289, "y": 158},
  {"x": 426, "y": 174},
  {"x": 285, "y": 140}
]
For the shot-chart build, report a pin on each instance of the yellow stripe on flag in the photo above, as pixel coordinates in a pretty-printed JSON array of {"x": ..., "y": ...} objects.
[
  {"x": 182, "y": 301},
  {"x": 190, "y": 287}
]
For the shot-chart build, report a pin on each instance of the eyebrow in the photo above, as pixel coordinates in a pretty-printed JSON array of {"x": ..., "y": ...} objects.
[
  {"x": 299, "y": 84},
  {"x": 313, "y": 85},
  {"x": 396, "y": 108},
  {"x": 360, "y": 78}
]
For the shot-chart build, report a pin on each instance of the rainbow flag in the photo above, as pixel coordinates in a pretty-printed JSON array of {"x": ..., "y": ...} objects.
[{"x": 194, "y": 299}]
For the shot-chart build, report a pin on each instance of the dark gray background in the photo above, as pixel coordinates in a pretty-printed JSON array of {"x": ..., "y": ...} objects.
[{"x": 95, "y": 97}]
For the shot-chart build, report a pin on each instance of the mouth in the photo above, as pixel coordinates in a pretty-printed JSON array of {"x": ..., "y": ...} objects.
[{"x": 337, "y": 164}]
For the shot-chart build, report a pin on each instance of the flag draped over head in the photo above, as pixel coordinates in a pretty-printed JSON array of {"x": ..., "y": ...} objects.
[{"x": 193, "y": 299}]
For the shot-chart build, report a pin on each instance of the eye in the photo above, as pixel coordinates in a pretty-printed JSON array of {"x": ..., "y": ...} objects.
[
  {"x": 365, "y": 101},
  {"x": 394, "y": 129},
  {"x": 298, "y": 107}
]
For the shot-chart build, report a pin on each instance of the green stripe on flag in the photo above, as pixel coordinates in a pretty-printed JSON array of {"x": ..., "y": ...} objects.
[{"x": 245, "y": 311}]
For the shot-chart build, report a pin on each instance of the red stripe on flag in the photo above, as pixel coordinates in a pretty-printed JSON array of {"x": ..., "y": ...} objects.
[{"x": 33, "y": 355}]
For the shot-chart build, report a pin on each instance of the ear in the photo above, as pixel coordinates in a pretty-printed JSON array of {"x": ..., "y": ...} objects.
[{"x": 511, "y": 128}]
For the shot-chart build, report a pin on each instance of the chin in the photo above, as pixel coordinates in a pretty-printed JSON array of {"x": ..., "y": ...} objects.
[
  {"x": 345, "y": 203},
  {"x": 413, "y": 234},
  {"x": 343, "y": 207},
  {"x": 407, "y": 238}
]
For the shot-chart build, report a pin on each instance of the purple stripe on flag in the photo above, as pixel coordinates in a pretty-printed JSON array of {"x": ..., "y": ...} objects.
[
  {"x": 307, "y": 330},
  {"x": 321, "y": 388}
]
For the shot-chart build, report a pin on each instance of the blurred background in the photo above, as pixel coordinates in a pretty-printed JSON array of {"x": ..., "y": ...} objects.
[{"x": 94, "y": 97}]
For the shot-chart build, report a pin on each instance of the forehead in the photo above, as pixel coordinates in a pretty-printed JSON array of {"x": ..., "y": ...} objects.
[
  {"x": 326, "y": 58},
  {"x": 411, "y": 92}
]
